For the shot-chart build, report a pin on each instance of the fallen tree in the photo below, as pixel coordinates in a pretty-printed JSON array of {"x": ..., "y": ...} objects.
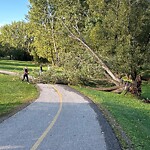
[
  {"x": 112, "y": 34},
  {"x": 134, "y": 87}
]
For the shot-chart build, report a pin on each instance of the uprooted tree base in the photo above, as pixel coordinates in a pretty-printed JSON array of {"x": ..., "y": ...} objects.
[
  {"x": 146, "y": 101},
  {"x": 133, "y": 87}
]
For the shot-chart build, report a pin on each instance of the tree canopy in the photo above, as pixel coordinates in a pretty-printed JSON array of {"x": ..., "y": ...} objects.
[{"x": 111, "y": 34}]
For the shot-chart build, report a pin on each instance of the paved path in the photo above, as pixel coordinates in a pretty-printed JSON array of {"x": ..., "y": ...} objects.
[
  {"x": 60, "y": 119},
  {"x": 8, "y": 72}
]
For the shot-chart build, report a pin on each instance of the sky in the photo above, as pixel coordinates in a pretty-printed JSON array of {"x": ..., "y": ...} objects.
[{"x": 13, "y": 10}]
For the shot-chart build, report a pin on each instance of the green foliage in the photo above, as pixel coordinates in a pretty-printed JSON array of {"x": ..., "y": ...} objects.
[
  {"x": 146, "y": 91},
  {"x": 42, "y": 30},
  {"x": 13, "y": 41},
  {"x": 113, "y": 29},
  {"x": 116, "y": 31},
  {"x": 2, "y": 52},
  {"x": 120, "y": 33},
  {"x": 54, "y": 75},
  {"x": 72, "y": 74}
]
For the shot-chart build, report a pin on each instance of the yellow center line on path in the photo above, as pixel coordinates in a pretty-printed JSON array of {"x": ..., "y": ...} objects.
[{"x": 39, "y": 141}]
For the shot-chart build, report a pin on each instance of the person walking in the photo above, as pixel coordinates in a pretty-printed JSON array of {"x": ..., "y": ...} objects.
[
  {"x": 41, "y": 70},
  {"x": 25, "y": 75}
]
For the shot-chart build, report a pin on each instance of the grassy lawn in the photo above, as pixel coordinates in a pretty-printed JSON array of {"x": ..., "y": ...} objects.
[
  {"x": 146, "y": 90},
  {"x": 14, "y": 93},
  {"x": 132, "y": 114},
  {"x": 18, "y": 66}
]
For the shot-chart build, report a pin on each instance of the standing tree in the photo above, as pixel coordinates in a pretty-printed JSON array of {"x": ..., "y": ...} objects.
[
  {"x": 14, "y": 41},
  {"x": 40, "y": 16}
]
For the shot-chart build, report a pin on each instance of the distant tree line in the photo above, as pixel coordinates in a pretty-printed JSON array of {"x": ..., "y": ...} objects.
[
  {"x": 109, "y": 37},
  {"x": 14, "y": 42}
]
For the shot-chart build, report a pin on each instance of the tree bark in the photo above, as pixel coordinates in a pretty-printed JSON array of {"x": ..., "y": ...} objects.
[
  {"x": 54, "y": 43},
  {"x": 115, "y": 80},
  {"x": 116, "y": 89}
]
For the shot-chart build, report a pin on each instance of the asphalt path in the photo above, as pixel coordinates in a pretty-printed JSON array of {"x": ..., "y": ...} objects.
[{"x": 60, "y": 119}]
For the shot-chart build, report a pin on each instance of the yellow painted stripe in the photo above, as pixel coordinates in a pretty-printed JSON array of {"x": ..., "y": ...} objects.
[{"x": 38, "y": 142}]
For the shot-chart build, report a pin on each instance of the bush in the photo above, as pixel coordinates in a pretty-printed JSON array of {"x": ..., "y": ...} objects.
[
  {"x": 54, "y": 75},
  {"x": 80, "y": 76}
]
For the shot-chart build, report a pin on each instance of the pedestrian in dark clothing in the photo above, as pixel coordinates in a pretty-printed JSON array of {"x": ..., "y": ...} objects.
[
  {"x": 25, "y": 74},
  {"x": 41, "y": 70}
]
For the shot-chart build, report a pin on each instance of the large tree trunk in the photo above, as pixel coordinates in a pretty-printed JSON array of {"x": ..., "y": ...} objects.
[
  {"x": 135, "y": 87},
  {"x": 115, "y": 89}
]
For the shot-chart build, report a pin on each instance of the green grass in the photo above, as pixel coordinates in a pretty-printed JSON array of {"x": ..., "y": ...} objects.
[
  {"x": 14, "y": 93},
  {"x": 18, "y": 66},
  {"x": 132, "y": 114},
  {"x": 146, "y": 90}
]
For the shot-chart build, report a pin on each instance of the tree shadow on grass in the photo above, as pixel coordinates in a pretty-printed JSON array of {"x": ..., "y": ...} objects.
[
  {"x": 134, "y": 122},
  {"x": 7, "y": 110},
  {"x": 18, "y": 64}
]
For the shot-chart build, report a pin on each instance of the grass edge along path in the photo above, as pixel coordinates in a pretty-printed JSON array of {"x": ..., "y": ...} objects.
[
  {"x": 15, "y": 95},
  {"x": 128, "y": 116}
]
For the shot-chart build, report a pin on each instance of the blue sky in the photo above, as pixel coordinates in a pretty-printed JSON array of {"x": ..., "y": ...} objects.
[{"x": 13, "y": 10}]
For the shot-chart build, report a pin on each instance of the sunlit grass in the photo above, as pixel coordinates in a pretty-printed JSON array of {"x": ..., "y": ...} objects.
[
  {"x": 17, "y": 66},
  {"x": 132, "y": 114},
  {"x": 14, "y": 93},
  {"x": 146, "y": 90}
]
